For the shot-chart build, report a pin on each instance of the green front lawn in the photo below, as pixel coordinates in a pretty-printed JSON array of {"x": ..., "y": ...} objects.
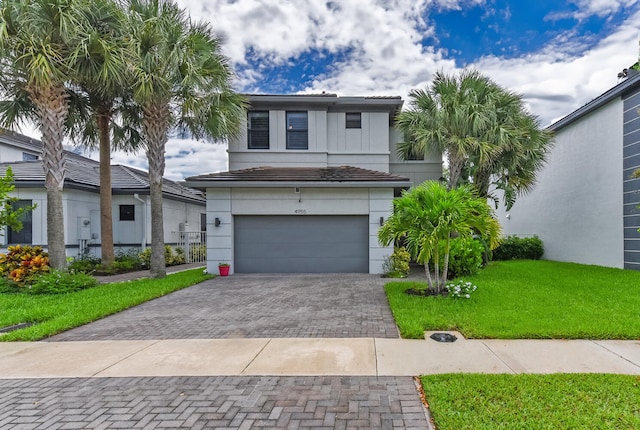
[
  {"x": 563, "y": 401},
  {"x": 56, "y": 313},
  {"x": 529, "y": 299}
]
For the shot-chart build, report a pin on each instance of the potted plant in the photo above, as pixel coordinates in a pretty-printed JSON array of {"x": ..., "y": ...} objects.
[{"x": 223, "y": 268}]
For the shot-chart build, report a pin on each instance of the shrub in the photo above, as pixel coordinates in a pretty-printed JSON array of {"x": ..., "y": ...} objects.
[
  {"x": 397, "y": 264},
  {"x": 171, "y": 258},
  {"x": 59, "y": 282},
  {"x": 22, "y": 264},
  {"x": 84, "y": 264},
  {"x": 465, "y": 257},
  {"x": 516, "y": 248}
]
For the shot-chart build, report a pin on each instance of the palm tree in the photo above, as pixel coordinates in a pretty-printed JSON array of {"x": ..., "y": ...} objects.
[
  {"x": 39, "y": 45},
  {"x": 485, "y": 130},
  {"x": 180, "y": 79},
  {"x": 103, "y": 76},
  {"x": 429, "y": 214},
  {"x": 449, "y": 116}
]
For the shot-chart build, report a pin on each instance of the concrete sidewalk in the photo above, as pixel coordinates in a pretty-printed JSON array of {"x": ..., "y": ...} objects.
[{"x": 313, "y": 357}]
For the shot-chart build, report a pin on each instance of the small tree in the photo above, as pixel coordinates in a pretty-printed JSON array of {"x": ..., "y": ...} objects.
[
  {"x": 429, "y": 214},
  {"x": 9, "y": 215}
]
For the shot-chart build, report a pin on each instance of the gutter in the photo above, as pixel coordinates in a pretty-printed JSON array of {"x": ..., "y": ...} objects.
[{"x": 143, "y": 244}]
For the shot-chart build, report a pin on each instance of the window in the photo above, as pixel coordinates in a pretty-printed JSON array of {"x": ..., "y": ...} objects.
[
  {"x": 297, "y": 130},
  {"x": 354, "y": 120},
  {"x": 414, "y": 156},
  {"x": 258, "y": 130},
  {"x": 29, "y": 157},
  {"x": 127, "y": 213},
  {"x": 23, "y": 236}
]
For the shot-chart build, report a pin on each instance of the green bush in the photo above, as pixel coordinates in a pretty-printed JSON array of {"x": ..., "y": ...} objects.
[
  {"x": 517, "y": 248},
  {"x": 59, "y": 282},
  {"x": 397, "y": 264},
  {"x": 465, "y": 257},
  {"x": 171, "y": 257},
  {"x": 84, "y": 264}
]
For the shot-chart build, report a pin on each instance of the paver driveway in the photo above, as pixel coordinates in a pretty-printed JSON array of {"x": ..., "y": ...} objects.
[
  {"x": 212, "y": 403},
  {"x": 240, "y": 306}
]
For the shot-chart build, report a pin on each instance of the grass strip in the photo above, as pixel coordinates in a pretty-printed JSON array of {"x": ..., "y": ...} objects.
[
  {"x": 529, "y": 300},
  {"x": 56, "y": 313},
  {"x": 559, "y": 401}
]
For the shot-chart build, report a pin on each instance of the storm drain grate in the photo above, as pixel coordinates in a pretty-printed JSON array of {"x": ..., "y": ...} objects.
[{"x": 15, "y": 327}]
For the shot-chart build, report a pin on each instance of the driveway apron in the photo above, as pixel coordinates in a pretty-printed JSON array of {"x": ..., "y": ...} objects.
[
  {"x": 255, "y": 306},
  {"x": 239, "y": 306}
]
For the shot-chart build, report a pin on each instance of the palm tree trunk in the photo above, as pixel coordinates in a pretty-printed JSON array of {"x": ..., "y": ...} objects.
[
  {"x": 52, "y": 106},
  {"x": 436, "y": 263},
  {"x": 455, "y": 170},
  {"x": 427, "y": 271},
  {"x": 106, "y": 211},
  {"x": 155, "y": 123},
  {"x": 445, "y": 270}
]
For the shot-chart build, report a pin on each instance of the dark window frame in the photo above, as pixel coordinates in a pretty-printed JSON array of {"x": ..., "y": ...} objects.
[
  {"x": 355, "y": 121},
  {"x": 256, "y": 132},
  {"x": 297, "y": 138},
  {"x": 24, "y": 236},
  {"x": 127, "y": 212}
]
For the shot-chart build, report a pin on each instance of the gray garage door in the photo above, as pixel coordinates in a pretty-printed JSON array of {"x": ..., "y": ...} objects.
[{"x": 301, "y": 244}]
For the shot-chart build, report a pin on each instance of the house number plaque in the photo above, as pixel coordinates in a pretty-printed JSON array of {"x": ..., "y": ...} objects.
[{"x": 300, "y": 211}]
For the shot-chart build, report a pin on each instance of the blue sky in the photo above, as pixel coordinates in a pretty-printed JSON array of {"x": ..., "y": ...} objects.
[{"x": 557, "y": 54}]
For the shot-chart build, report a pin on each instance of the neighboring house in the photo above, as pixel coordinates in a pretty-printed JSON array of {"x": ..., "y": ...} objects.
[
  {"x": 584, "y": 204},
  {"x": 310, "y": 181},
  {"x": 184, "y": 208}
]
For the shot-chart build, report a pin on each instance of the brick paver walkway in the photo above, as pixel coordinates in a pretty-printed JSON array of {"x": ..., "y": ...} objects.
[
  {"x": 250, "y": 306},
  {"x": 211, "y": 403}
]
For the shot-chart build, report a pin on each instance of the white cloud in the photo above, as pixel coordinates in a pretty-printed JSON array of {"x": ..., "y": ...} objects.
[
  {"x": 587, "y": 8},
  {"x": 386, "y": 56}
]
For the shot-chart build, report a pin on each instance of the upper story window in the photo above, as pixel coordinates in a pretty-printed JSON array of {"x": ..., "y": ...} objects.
[
  {"x": 258, "y": 130},
  {"x": 297, "y": 130},
  {"x": 354, "y": 120},
  {"x": 26, "y": 156},
  {"x": 414, "y": 156},
  {"x": 25, "y": 235}
]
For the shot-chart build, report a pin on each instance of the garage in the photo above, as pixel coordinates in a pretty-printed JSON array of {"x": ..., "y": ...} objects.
[{"x": 301, "y": 244}]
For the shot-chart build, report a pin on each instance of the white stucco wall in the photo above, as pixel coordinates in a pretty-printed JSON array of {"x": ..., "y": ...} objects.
[
  {"x": 225, "y": 203},
  {"x": 576, "y": 207}
]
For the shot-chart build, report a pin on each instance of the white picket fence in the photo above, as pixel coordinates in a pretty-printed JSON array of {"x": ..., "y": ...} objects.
[{"x": 194, "y": 245}]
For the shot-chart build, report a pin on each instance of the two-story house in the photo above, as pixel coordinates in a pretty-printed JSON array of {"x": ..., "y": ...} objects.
[
  {"x": 184, "y": 208},
  {"x": 311, "y": 179}
]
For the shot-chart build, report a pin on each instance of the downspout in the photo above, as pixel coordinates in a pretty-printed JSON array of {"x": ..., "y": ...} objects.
[{"x": 144, "y": 223}]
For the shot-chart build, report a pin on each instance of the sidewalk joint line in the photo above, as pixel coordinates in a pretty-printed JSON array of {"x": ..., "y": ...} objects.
[
  {"x": 256, "y": 356},
  {"x": 615, "y": 353},
  {"x": 498, "y": 357},
  {"x": 127, "y": 357},
  {"x": 375, "y": 356}
]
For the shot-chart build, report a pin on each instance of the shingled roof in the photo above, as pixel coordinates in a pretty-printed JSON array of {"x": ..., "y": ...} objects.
[
  {"x": 84, "y": 173},
  {"x": 320, "y": 176}
]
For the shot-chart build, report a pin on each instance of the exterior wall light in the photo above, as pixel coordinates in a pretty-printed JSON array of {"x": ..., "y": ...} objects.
[
  {"x": 381, "y": 221},
  {"x": 216, "y": 222}
]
